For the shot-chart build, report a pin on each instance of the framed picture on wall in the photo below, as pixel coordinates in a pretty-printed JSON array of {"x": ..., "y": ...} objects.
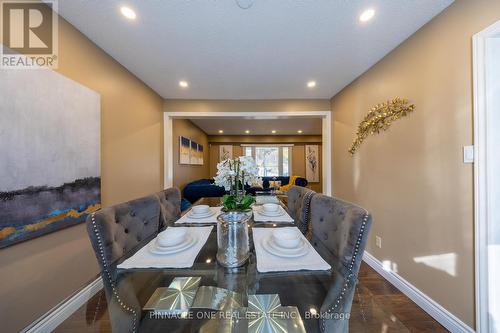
[
  {"x": 225, "y": 152},
  {"x": 196, "y": 153},
  {"x": 184, "y": 150},
  {"x": 32, "y": 203},
  {"x": 200, "y": 154},
  {"x": 312, "y": 163},
  {"x": 193, "y": 153}
]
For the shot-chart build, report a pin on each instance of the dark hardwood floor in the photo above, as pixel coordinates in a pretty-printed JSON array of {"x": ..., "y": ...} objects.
[
  {"x": 380, "y": 307},
  {"x": 377, "y": 307}
]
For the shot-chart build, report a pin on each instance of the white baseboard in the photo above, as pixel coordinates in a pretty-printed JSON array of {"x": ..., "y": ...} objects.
[
  {"x": 443, "y": 316},
  {"x": 61, "y": 312}
]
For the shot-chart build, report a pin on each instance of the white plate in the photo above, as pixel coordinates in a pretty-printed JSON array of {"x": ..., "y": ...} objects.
[
  {"x": 303, "y": 246},
  {"x": 270, "y": 247},
  {"x": 280, "y": 212},
  {"x": 155, "y": 249},
  {"x": 192, "y": 215},
  {"x": 187, "y": 240}
]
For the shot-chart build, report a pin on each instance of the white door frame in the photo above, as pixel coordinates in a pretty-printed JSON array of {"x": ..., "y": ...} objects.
[
  {"x": 326, "y": 136},
  {"x": 483, "y": 191}
]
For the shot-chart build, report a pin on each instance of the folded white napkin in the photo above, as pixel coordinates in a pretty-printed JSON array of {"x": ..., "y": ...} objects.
[
  {"x": 267, "y": 262},
  {"x": 258, "y": 217},
  {"x": 145, "y": 259},
  {"x": 211, "y": 219}
]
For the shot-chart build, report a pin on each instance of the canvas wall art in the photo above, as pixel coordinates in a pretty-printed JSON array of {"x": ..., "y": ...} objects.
[
  {"x": 199, "y": 154},
  {"x": 50, "y": 154},
  {"x": 312, "y": 163},
  {"x": 225, "y": 152},
  {"x": 184, "y": 150},
  {"x": 196, "y": 153},
  {"x": 193, "y": 152}
]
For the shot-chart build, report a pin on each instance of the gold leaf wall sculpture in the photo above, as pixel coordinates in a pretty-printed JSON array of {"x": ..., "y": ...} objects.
[{"x": 379, "y": 118}]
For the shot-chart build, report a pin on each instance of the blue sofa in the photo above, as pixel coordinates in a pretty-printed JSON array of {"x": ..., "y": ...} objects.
[
  {"x": 206, "y": 187},
  {"x": 202, "y": 188}
]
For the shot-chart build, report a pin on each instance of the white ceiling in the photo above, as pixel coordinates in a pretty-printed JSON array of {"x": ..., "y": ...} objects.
[
  {"x": 234, "y": 126},
  {"x": 267, "y": 51}
]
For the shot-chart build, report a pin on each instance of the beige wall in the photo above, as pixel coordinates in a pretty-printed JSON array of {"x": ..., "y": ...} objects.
[
  {"x": 183, "y": 105},
  {"x": 39, "y": 273},
  {"x": 298, "y": 150},
  {"x": 183, "y": 173},
  {"x": 412, "y": 177}
]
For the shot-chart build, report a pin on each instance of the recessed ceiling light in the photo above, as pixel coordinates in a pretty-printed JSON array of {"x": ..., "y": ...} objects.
[
  {"x": 128, "y": 13},
  {"x": 299, "y": 131},
  {"x": 183, "y": 84},
  {"x": 367, "y": 15},
  {"x": 311, "y": 84},
  {"x": 221, "y": 131},
  {"x": 247, "y": 131},
  {"x": 273, "y": 131}
]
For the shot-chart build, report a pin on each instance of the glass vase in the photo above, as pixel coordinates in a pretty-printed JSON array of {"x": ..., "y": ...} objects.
[{"x": 232, "y": 238}]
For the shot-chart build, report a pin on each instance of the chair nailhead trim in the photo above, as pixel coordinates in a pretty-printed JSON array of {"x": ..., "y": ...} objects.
[
  {"x": 108, "y": 274},
  {"x": 306, "y": 200},
  {"x": 351, "y": 274}
]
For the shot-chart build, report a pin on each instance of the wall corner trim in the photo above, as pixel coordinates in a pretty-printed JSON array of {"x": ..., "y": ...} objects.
[
  {"x": 484, "y": 189},
  {"x": 435, "y": 310},
  {"x": 55, "y": 316}
]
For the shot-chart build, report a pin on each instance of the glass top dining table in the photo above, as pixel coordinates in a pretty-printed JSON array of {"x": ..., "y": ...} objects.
[{"x": 129, "y": 290}]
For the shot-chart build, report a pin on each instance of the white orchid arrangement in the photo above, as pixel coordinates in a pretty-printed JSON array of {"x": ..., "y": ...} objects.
[{"x": 233, "y": 174}]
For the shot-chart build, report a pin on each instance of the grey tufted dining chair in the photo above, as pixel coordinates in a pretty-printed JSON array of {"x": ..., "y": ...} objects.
[
  {"x": 343, "y": 228},
  {"x": 115, "y": 231},
  {"x": 170, "y": 206},
  {"x": 299, "y": 200}
]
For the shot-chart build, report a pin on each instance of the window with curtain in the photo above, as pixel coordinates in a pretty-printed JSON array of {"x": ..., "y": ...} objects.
[{"x": 272, "y": 161}]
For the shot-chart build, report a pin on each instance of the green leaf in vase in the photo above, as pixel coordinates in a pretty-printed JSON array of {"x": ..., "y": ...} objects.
[
  {"x": 229, "y": 202},
  {"x": 246, "y": 202}
]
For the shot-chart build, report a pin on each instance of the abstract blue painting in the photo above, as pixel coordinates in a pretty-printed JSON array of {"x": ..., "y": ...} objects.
[{"x": 50, "y": 154}]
